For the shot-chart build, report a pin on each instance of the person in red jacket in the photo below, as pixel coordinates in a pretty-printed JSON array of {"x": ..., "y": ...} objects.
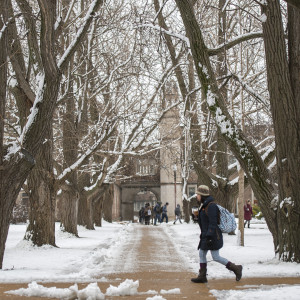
[{"x": 247, "y": 213}]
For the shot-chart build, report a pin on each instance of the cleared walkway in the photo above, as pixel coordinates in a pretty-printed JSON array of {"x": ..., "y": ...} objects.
[{"x": 148, "y": 256}]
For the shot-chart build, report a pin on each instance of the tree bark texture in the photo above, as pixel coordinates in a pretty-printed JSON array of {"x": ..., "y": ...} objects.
[
  {"x": 85, "y": 205},
  {"x": 69, "y": 208},
  {"x": 283, "y": 85},
  {"x": 241, "y": 203},
  {"x": 4, "y": 204},
  {"x": 105, "y": 210},
  {"x": 42, "y": 194},
  {"x": 70, "y": 152}
]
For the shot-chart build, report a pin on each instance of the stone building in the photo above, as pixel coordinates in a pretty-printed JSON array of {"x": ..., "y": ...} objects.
[{"x": 157, "y": 176}]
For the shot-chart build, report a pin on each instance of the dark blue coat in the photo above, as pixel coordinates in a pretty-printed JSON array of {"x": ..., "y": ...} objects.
[{"x": 208, "y": 222}]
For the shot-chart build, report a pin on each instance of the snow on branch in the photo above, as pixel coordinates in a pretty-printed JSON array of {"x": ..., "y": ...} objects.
[
  {"x": 248, "y": 89},
  {"x": 99, "y": 178},
  {"x": 162, "y": 30},
  {"x": 110, "y": 78},
  {"x": 89, "y": 152},
  {"x": 237, "y": 40},
  {"x": 4, "y": 27},
  {"x": 159, "y": 11},
  {"x": 80, "y": 34},
  {"x": 34, "y": 109},
  {"x": 134, "y": 132}
]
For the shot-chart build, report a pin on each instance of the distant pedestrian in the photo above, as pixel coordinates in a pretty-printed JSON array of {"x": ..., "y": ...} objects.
[
  {"x": 152, "y": 214},
  {"x": 165, "y": 213},
  {"x": 247, "y": 213},
  {"x": 177, "y": 214},
  {"x": 211, "y": 237},
  {"x": 157, "y": 212},
  {"x": 142, "y": 215},
  {"x": 148, "y": 213}
]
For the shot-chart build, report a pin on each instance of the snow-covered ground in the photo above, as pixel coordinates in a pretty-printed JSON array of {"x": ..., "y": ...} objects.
[{"x": 85, "y": 259}]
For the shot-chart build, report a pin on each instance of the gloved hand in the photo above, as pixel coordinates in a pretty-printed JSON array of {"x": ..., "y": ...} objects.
[{"x": 209, "y": 243}]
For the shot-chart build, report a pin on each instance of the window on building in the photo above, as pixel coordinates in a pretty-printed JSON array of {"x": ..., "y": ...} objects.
[
  {"x": 191, "y": 191},
  {"x": 145, "y": 167}
]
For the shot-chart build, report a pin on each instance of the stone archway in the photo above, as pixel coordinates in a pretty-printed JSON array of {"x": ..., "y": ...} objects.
[
  {"x": 133, "y": 196},
  {"x": 143, "y": 197}
]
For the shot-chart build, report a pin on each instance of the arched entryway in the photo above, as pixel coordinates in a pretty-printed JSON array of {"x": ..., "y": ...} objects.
[
  {"x": 133, "y": 197},
  {"x": 141, "y": 198}
]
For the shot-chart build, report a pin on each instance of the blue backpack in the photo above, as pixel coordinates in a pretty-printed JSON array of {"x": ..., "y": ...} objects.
[{"x": 226, "y": 219}]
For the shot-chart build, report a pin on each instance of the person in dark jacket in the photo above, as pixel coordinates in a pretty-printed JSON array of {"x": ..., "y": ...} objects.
[
  {"x": 177, "y": 214},
  {"x": 148, "y": 213},
  {"x": 211, "y": 237},
  {"x": 157, "y": 212},
  {"x": 164, "y": 213},
  {"x": 247, "y": 213},
  {"x": 142, "y": 215}
]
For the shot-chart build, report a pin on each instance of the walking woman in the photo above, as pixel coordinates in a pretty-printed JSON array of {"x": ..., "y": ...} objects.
[
  {"x": 211, "y": 237},
  {"x": 247, "y": 213}
]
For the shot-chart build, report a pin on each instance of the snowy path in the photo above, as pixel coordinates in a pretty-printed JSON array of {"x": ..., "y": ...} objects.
[
  {"x": 147, "y": 248},
  {"x": 143, "y": 262}
]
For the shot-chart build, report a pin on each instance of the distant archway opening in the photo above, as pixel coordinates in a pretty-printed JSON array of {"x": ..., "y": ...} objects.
[{"x": 143, "y": 197}]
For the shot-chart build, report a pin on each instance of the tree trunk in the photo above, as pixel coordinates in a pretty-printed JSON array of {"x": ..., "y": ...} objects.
[
  {"x": 97, "y": 212},
  {"x": 85, "y": 210},
  {"x": 70, "y": 152},
  {"x": 283, "y": 86},
  {"x": 241, "y": 207},
  {"x": 106, "y": 212},
  {"x": 41, "y": 227},
  {"x": 69, "y": 208},
  {"x": 5, "y": 212},
  {"x": 222, "y": 155},
  {"x": 18, "y": 165}
]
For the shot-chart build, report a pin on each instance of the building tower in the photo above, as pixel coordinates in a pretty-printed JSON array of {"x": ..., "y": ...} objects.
[{"x": 170, "y": 153}]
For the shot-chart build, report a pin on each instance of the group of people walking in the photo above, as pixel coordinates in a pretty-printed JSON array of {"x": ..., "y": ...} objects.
[{"x": 157, "y": 213}]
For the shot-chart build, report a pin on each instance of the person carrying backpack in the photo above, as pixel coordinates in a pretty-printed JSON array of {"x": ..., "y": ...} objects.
[
  {"x": 177, "y": 214},
  {"x": 211, "y": 237}
]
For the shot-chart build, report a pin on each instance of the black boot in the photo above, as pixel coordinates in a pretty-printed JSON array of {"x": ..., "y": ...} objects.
[
  {"x": 201, "y": 276},
  {"x": 237, "y": 269}
]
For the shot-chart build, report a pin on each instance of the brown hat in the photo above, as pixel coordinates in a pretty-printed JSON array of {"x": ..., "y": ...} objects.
[{"x": 203, "y": 190}]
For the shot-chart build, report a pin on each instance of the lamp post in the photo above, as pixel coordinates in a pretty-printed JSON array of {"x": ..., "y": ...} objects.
[{"x": 175, "y": 169}]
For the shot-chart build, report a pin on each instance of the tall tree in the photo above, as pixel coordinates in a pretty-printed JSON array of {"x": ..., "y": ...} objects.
[
  {"x": 20, "y": 160},
  {"x": 283, "y": 83},
  {"x": 257, "y": 173},
  {"x": 3, "y": 83}
]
